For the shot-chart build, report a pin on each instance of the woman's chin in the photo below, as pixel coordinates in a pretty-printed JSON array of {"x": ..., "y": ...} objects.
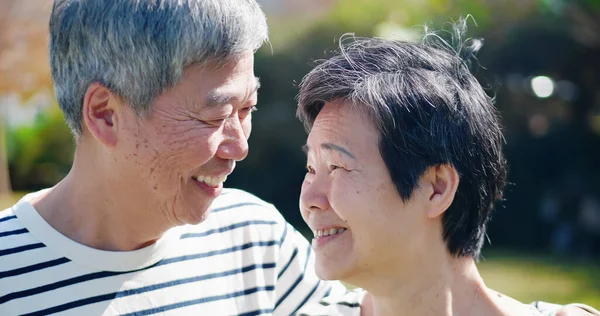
[{"x": 332, "y": 270}]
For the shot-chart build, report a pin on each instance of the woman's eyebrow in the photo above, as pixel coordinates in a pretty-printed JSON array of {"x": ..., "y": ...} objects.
[{"x": 331, "y": 146}]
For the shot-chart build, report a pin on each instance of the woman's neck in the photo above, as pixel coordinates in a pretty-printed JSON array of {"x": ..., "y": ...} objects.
[{"x": 444, "y": 286}]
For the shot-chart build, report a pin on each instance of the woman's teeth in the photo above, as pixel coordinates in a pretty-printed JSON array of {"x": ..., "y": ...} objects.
[
  {"x": 211, "y": 181},
  {"x": 328, "y": 232}
]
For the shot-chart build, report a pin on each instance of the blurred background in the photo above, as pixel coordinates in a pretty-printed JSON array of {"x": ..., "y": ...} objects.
[{"x": 540, "y": 60}]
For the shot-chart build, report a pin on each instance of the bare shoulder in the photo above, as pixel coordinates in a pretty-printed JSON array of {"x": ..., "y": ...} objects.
[
  {"x": 577, "y": 309},
  {"x": 509, "y": 306}
]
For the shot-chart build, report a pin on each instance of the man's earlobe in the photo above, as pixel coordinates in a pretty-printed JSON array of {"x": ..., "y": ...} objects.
[
  {"x": 100, "y": 114},
  {"x": 444, "y": 183}
]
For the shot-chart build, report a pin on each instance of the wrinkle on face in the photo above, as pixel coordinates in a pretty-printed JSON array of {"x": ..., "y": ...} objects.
[
  {"x": 180, "y": 139},
  {"x": 363, "y": 197}
]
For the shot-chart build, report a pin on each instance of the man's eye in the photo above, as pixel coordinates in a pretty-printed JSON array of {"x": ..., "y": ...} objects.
[
  {"x": 310, "y": 169},
  {"x": 334, "y": 167},
  {"x": 213, "y": 122},
  {"x": 250, "y": 109},
  {"x": 246, "y": 111}
]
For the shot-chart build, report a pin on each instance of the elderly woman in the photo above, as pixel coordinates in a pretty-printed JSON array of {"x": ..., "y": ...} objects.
[{"x": 404, "y": 166}]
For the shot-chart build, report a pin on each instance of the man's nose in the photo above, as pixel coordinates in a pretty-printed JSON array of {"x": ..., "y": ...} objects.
[{"x": 235, "y": 141}]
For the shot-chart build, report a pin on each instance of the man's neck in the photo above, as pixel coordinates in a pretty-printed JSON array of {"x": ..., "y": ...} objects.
[{"x": 87, "y": 210}]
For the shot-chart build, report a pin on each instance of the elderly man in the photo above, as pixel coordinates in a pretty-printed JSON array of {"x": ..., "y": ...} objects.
[{"x": 159, "y": 95}]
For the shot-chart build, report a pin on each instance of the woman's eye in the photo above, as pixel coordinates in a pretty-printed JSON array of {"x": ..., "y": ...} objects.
[{"x": 310, "y": 169}]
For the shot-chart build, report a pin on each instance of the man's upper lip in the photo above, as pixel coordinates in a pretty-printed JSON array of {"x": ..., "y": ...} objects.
[
  {"x": 217, "y": 172},
  {"x": 222, "y": 173}
]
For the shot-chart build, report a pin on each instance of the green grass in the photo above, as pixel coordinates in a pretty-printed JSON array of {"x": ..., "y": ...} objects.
[
  {"x": 530, "y": 277},
  {"x": 7, "y": 201}
]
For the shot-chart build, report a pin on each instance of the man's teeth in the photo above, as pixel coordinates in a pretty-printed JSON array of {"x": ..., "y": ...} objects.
[
  {"x": 328, "y": 232},
  {"x": 211, "y": 181}
]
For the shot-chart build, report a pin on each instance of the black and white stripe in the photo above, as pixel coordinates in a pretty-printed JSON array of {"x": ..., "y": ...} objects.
[{"x": 244, "y": 260}]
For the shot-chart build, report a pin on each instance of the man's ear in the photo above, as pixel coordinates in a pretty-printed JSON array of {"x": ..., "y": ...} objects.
[
  {"x": 443, "y": 182},
  {"x": 100, "y": 114}
]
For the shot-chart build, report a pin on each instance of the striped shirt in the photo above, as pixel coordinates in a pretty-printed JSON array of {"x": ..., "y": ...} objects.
[
  {"x": 245, "y": 259},
  {"x": 348, "y": 305}
]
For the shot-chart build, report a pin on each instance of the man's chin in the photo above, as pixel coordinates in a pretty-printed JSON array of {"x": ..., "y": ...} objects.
[{"x": 196, "y": 217}]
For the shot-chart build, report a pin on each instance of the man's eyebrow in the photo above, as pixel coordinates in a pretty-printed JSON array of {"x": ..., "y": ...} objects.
[
  {"x": 330, "y": 146},
  {"x": 216, "y": 99}
]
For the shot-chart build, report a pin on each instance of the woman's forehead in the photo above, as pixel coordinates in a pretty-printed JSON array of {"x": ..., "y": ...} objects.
[{"x": 340, "y": 125}]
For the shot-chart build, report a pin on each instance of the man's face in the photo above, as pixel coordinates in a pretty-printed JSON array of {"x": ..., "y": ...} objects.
[{"x": 197, "y": 130}]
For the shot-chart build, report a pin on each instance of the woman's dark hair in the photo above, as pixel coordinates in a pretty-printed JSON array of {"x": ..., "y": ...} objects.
[{"x": 429, "y": 110}]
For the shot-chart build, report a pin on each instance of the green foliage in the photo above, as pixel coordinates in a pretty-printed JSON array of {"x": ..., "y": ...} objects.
[{"x": 41, "y": 154}]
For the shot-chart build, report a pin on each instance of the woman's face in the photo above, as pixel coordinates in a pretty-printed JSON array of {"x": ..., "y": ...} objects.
[{"x": 362, "y": 227}]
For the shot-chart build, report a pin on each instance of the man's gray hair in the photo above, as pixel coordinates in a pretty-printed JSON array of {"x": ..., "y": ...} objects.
[{"x": 139, "y": 48}]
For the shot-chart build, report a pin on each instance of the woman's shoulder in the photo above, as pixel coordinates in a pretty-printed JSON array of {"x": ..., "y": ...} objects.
[
  {"x": 510, "y": 306},
  {"x": 549, "y": 309}
]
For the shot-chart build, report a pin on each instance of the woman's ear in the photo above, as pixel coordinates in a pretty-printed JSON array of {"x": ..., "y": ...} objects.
[{"x": 443, "y": 180}]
